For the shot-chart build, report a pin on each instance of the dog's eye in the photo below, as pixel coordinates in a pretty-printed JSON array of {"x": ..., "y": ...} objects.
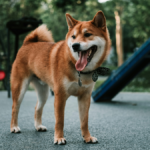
[
  {"x": 87, "y": 34},
  {"x": 73, "y": 37}
]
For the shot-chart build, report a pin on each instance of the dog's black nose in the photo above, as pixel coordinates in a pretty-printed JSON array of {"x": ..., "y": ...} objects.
[{"x": 76, "y": 47}]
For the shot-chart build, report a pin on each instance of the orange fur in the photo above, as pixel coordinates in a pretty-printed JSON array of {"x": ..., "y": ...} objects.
[
  {"x": 41, "y": 34},
  {"x": 54, "y": 64}
]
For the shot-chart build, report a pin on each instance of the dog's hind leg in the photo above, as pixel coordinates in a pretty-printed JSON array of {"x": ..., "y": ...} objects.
[
  {"x": 19, "y": 85},
  {"x": 42, "y": 94}
]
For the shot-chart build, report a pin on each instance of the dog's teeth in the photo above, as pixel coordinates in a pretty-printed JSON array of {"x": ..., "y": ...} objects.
[{"x": 90, "y": 52}]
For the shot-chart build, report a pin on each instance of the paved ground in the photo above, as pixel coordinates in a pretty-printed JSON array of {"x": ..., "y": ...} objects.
[{"x": 123, "y": 124}]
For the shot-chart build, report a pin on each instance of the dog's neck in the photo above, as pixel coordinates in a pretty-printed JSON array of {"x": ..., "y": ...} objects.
[{"x": 103, "y": 71}]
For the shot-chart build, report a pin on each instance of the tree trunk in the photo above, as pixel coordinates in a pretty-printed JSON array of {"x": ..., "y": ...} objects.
[{"x": 119, "y": 45}]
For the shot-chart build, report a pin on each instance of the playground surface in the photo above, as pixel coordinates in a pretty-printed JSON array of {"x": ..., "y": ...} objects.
[{"x": 123, "y": 124}]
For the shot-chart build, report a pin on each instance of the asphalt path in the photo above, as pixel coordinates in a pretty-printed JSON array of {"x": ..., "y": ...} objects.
[{"x": 123, "y": 124}]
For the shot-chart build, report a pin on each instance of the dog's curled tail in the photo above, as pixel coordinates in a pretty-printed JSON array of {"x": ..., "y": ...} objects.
[{"x": 40, "y": 34}]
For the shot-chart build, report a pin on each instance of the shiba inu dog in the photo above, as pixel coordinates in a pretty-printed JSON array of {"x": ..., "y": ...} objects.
[{"x": 66, "y": 67}]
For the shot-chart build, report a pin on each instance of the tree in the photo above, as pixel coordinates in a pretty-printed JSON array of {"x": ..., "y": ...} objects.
[{"x": 119, "y": 45}]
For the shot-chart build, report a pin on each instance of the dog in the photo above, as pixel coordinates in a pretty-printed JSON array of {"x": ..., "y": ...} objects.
[{"x": 66, "y": 67}]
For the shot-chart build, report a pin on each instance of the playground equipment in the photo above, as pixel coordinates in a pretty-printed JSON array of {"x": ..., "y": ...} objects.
[
  {"x": 124, "y": 74},
  {"x": 17, "y": 27},
  {"x": 3, "y": 58}
]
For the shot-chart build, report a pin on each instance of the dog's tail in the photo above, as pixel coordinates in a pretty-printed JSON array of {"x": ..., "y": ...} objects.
[{"x": 40, "y": 34}]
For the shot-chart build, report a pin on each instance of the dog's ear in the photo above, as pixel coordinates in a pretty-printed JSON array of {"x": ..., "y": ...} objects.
[
  {"x": 70, "y": 21},
  {"x": 99, "y": 20}
]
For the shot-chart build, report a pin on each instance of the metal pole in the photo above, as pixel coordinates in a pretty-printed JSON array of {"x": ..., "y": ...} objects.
[
  {"x": 3, "y": 47},
  {"x": 8, "y": 62},
  {"x": 16, "y": 46}
]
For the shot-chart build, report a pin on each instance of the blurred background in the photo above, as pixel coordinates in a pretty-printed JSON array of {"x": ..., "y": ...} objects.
[{"x": 128, "y": 22}]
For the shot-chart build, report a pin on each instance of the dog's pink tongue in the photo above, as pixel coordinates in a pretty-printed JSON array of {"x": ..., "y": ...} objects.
[{"x": 82, "y": 61}]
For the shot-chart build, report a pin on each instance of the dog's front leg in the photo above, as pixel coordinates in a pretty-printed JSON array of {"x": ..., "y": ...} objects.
[
  {"x": 84, "y": 104},
  {"x": 59, "y": 105}
]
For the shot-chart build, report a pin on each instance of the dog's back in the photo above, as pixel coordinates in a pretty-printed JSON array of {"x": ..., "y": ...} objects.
[{"x": 35, "y": 48}]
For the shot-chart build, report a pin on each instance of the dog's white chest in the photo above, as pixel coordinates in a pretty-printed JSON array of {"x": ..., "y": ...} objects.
[{"x": 73, "y": 88}]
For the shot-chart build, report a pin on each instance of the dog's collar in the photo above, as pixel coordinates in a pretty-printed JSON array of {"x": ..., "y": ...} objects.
[{"x": 99, "y": 71}]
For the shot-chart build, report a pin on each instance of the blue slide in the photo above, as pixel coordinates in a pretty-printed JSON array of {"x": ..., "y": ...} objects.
[{"x": 124, "y": 74}]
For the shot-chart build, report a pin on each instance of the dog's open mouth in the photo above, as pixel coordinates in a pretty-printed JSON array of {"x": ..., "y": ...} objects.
[{"x": 85, "y": 57}]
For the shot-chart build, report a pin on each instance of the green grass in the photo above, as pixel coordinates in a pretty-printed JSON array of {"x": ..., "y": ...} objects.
[
  {"x": 98, "y": 83},
  {"x": 30, "y": 88},
  {"x": 141, "y": 83},
  {"x": 1, "y": 85}
]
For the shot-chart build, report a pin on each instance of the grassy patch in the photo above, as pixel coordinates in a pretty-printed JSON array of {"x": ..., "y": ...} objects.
[
  {"x": 98, "y": 83},
  {"x": 30, "y": 88},
  {"x": 141, "y": 83},
  {"x": 1, "y": 85}
]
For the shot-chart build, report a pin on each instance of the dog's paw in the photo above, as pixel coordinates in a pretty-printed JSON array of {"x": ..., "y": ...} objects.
[
  {"x": 41, "y": 128},
  {"x": 60, "y": 141},
  {"x": 90, "y": 140},
  {"x": 15, "y": 129}
]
